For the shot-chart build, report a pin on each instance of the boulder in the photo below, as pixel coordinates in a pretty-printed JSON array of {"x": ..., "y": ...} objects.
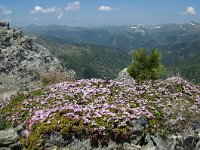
[
  {"x": 3, "y": 24},
  {"x": 125, "y": 77},
  {"x": 10, "y": 138}
]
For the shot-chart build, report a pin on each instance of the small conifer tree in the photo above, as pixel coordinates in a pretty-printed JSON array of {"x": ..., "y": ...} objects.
[{"x": 144, "y": 66}]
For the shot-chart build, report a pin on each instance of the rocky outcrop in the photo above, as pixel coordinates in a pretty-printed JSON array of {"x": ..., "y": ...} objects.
[
  {"x": 10, "y": 139},
  {"x": 138, "y": 141},
  {"x": 125, "y": 77},
  {"x": 22, "y": 61},
  {"x": 3, "y": 24}
]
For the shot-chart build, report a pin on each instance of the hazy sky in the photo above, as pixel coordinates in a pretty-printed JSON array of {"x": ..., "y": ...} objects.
[{"x": 99, "y": 12}]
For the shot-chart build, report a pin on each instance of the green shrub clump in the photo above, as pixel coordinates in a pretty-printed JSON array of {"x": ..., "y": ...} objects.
[{"x": 144, "y": 66}]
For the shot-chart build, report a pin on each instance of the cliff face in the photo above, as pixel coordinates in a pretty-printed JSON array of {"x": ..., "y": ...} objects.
[{"x": 22, "y": 61}]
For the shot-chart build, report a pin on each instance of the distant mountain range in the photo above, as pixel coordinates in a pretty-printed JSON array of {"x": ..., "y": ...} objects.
[{"x": 179, "y": 43}]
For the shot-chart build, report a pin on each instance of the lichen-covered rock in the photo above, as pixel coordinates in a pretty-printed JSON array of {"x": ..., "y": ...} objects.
[
  {"x": 22, "y": 62},
  {"x": 10, "y": 136},
  {"x": 125, "y": 77}
]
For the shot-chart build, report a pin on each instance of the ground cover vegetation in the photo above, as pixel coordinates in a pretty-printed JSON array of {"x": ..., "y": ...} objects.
[{"x": 103, "y": 110}]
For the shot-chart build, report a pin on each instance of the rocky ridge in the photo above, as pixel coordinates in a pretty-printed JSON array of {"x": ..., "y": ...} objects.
[{"x": 22, "y": 62}]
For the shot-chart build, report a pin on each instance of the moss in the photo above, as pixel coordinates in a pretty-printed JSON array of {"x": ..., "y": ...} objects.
[
  {"x": 175, "y": 88},
  {"x": 16, "y": 105},
  {"x": 116, "y": 89},
  {"x": 111, "y": 100},
  {"x": 165, "y": 132},
  {"x": 66, "y": 126},
  {"x": 35, "y": 93},
  {"x": 4, "y": 124}
]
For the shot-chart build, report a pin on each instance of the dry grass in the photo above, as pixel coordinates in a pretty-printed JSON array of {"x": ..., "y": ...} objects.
[{"x": 56, "y": 76}]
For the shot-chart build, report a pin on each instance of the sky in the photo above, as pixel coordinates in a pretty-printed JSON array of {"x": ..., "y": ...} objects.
[{"x": 99, "y": 12}]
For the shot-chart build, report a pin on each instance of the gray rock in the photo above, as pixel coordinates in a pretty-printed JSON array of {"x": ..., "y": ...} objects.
[
  {"x": 178, "y": 142},
  {"x": 149, "y": 144},
  {"x": 137, "y": 133},
  {"x": 125, "y": 77},
  {"x": 25, "y": 133},
  {"x": 187, "y": 144},
  {"x": 22, "y": 62},
  {"x": 198, "y": 146},
  {"x": 81, "y": 145},
  {"x": 172, "y": 144},
  {"x": 56, "y": 139},
  {"x": 2, "y": 23},
  {"x": 157, "y": 142},
  {"x": 4, "y": 148},
  {"x": 175, "y": 79},
  {"x": 8, "y": 137},
  {"x": 16, "y": 146},
  {"x": 127, "y": 146}
]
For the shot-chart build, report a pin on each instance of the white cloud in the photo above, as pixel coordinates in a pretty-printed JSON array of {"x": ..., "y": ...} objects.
[
  {"x": 60, "y": 15},
  {"x": 107, "y": 8},
  {"x": 5, "y": 11},
  {"x": 190, "y": 10},
  {"x": 73, "y": 6},
  {"x": 39, "y": 9}
]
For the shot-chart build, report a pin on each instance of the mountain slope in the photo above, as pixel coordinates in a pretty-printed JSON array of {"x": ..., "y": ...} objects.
[
  {"x": 179, "y": 43},
  {"x": 125, "y": 37},
  {"x": 88, "y": 60}
]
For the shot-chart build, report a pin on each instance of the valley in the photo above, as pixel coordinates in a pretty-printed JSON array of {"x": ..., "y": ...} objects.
[{"x": 179, "y": 44}]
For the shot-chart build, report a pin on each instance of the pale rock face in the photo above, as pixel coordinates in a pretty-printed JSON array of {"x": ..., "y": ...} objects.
[
  {"x": 22, "y": 62},
  {"x": 125, "y": 77}
]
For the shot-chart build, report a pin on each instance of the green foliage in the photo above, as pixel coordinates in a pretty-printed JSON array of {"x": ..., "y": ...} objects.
[
  {"x": 146, "y": 67},
  {"x": 14, "y": 107},
  {"x": 4, "y": 124},
  {"x": 87, "y": 60},
  {"x": 167, "y": 104}
]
